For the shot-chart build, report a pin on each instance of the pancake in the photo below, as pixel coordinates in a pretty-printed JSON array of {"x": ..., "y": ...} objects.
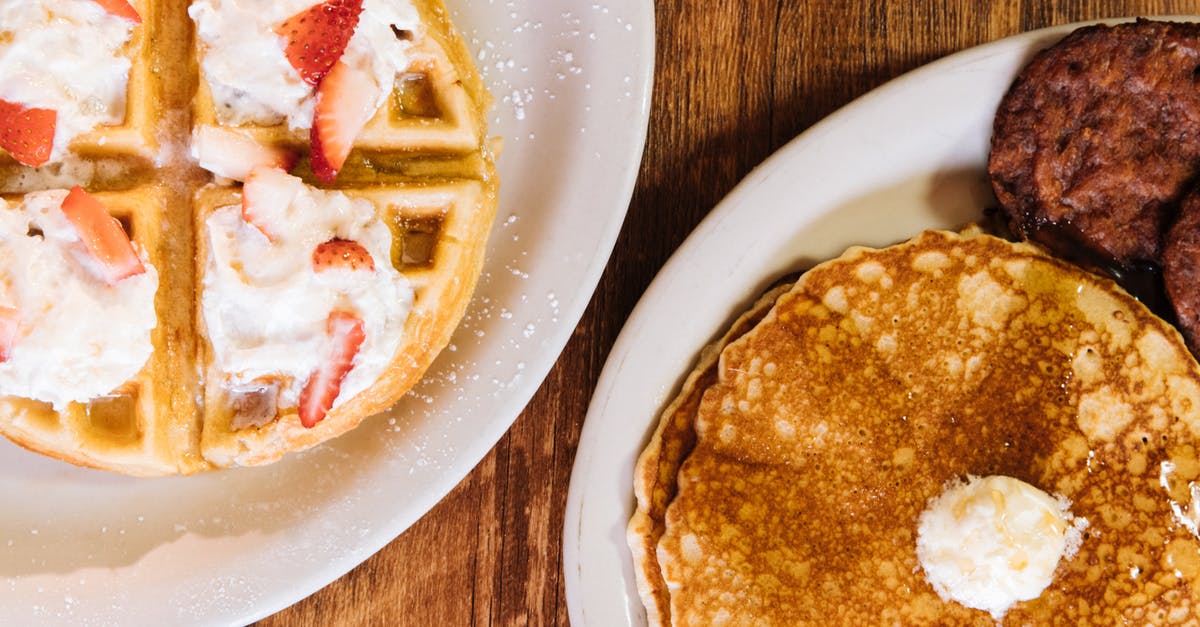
[
  {"x": 885, "y": 374},
  {"x": 655, "y": 476}
]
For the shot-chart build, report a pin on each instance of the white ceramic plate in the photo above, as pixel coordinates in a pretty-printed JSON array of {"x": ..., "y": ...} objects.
[
  {"x": 571, "y": 80},
  {"x": 906, "y": 157}
]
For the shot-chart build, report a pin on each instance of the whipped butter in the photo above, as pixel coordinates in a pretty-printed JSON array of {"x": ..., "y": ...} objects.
[
  {"x": 65, "y": 55},
  {"x": 78, "y": 337},
  {"x": 251, "y": 79},
  {"x": 266, "y": 307},
  {"x": 990, "y": 542}
]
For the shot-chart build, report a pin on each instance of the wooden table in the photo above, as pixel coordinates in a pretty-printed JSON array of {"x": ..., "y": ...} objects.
[{"x": 736, "y": 79}]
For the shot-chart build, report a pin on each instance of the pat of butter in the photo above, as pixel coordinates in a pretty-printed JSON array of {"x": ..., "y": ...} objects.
[{"x": 990, "y": 542}]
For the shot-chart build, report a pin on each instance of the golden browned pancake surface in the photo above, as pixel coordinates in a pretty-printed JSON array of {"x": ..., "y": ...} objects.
[{"x": 886, "y": 373}]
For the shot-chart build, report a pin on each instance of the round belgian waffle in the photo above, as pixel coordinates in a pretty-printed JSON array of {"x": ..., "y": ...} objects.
[{"x": 423, "y": 161}]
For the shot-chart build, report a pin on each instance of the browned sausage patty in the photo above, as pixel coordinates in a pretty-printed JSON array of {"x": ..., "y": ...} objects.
[
  {"x": 1098, "y": 138},
  {"x": 1181, "y": 269}
]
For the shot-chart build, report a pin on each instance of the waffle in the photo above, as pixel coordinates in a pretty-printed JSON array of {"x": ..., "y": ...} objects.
[
  {"x": 135, "y": 137},
  {"x": 149, "y": 425},
  {"x": 434, "y": 109},
  {"x": 423, "y": 161},
  {"x": 439, "y": 234},
  {"x": 144, "y": 101}
]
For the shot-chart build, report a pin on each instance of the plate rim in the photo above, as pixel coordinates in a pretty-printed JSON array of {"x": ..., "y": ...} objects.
[{"x": 655, "y": 294}]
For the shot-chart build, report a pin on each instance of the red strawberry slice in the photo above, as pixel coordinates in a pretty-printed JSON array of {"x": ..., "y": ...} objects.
[
  {"x": 10, "y": 322},
  {"x": 345, "y": 103},
  {"x": 317, "y": 37},
  {"x": 342, "y": 253},
  {"x": 121, "y": 8},
  {"x": 26, "y": 133},
  {"x": 102, "y": 236},
  {"x": 233, "y": 155},
  {"x": 266, "y": 196},
  {"x": 345, "y": 330}
]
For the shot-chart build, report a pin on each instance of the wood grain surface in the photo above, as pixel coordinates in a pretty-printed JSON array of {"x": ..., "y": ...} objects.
[{"x": 735, "y": 80}]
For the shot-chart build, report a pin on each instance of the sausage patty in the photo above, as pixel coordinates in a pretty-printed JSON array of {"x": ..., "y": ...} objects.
[
  {"x": 1098, "y": 139},
  {"x": 1181, "y": 269}
]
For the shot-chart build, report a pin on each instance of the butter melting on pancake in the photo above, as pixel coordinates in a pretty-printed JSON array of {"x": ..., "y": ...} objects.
[
  {"x": 989, "y": 542},
  {"x": 886, "y": 373}
]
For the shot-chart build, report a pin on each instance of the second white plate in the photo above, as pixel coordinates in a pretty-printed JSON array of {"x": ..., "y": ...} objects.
[{"x": 906, "y": 157}]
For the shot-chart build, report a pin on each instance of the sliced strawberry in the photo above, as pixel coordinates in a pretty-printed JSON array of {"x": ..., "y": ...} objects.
[
  {"x": 10, "y": 322},
  {"x": 345, "y": 331},
  {"x": 317, "y": 37},
  {"x": 121, "y": 8},
  {"x": 345, "y": 103},
  {"x": 232, "y": 155},
  {"x": 102, "y": 236},
  {"x": 342, "y": 253},
  {"x": 266, "y": 196},
  {"x": 27, "y": 134}
]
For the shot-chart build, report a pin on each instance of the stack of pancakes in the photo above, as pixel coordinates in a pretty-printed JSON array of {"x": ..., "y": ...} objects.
[
  {"x": 784, "y": 484},
  {"x": 423, "y": 161}
]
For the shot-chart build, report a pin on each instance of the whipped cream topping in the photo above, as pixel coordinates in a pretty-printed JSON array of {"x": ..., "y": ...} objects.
[
  {"x": 251, "y": 79},
  {"x": 79, "y": 338},
  {"x": 266, "y": 307},
  {"x": 990, "y": 542},
  {"x": 65, "y": 55}
]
